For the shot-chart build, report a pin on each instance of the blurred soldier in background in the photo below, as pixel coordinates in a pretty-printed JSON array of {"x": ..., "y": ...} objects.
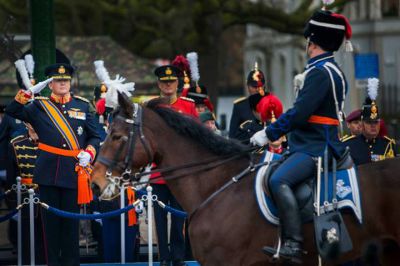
[
  {"x": 369, "y": 146},
  {"x": 22, "y": 156},
  {"x": 241, "y": 112},
  {"x": 353, "y": 122},
  {"x": 175, "y": 251}
]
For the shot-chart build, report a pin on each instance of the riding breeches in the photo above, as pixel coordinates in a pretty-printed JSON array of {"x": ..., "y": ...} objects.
[{"x": 293, "y": 171}]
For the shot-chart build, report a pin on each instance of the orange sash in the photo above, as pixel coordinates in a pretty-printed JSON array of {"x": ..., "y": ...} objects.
[
  {"x": 61, "y": 123},
  {"x": 132, "y": 220},
  {"x": 323, "y": 120}
]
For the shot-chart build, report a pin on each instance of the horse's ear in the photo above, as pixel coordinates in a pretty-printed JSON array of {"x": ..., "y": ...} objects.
[{"x": 125, "y": 104}]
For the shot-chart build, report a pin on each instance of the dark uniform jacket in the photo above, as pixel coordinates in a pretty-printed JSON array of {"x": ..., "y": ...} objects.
[
  {"x": 241, "y": 113},
  {"x": 247, "y": 129},
  {"x": 9, "y": 129},
  {"x": 365, "y": 151},
  {"x": 314, "y": 99},
  {"x": 22, "y": 155},
  {"x": 52, "y": 169}
]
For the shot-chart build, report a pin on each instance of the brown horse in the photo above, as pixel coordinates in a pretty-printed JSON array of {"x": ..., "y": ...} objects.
[{"x": 228, "y": 229}]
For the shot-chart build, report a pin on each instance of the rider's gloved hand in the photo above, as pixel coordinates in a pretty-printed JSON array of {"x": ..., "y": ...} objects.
[
  {"x": 84, "y": 158},
  {"x": 259, "y": 138},
  {"x": 40, "y": 86}
]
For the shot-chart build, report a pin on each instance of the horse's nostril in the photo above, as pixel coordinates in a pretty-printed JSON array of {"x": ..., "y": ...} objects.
[{"x": 96, "y": 189}]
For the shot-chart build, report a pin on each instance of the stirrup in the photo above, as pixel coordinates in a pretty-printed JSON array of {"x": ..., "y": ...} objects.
[{"x": 293, "y": 256}]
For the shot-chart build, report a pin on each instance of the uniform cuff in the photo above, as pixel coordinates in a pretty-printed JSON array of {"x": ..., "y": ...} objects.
[
  {"x": 22, "y": 97},
  {"x": 92, "y": 151}
]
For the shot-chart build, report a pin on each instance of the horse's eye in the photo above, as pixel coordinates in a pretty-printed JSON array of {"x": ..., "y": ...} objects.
[{"x": 116, "y": 137}]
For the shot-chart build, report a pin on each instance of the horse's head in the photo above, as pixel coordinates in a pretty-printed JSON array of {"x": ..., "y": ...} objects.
[{"x": 125, "y": 150}]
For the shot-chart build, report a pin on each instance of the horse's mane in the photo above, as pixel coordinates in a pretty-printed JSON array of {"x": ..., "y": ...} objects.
[{"x": 187, "y": 126}]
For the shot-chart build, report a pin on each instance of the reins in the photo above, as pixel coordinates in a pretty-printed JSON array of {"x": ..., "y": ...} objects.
[
  {"x": 251, "y": 168},
  {"x": 206, "y": 166}
]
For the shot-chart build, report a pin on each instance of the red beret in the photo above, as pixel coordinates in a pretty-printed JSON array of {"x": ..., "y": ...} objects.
[{"x": 355, "y": 115}]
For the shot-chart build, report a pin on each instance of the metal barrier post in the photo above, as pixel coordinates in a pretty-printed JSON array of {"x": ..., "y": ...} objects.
[
  {"x": 149, "y": 190},
  {"x": 122, "y": 202},
  {"x": 19, "y": 222},
  {"x": 31, "y": 226}
]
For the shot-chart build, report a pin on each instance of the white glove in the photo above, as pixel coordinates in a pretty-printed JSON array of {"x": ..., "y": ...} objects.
[
  {"x": 40, "y": 86},
  {"x": 259, "y": 138},
  {"x": 84, "y": 158}
]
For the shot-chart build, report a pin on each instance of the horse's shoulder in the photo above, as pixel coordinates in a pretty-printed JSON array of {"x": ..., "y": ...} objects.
[
  {"x": 348, "y": 137},
  {"x": 241, "y": 99}
]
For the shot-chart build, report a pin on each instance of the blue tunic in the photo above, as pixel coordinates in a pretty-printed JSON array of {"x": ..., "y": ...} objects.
[
  {"x": 52, "y": 169},
  {"x": 315, "y": 98}
]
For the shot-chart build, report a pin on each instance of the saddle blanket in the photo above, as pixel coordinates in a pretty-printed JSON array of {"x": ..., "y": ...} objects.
[{"x": 347, "y": 192}]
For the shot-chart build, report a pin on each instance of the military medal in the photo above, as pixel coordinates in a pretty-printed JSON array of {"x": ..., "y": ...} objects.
[{"x": 79, "y": 130}]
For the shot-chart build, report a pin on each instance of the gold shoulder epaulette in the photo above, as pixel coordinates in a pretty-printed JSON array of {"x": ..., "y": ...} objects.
[
  {"x": 241, "y": 99},
  {"x": 390, "y": 140},
  {"x": 41, "y": 98},
  {"x": 187, "y": 99},
  {"x": 244, "y": 123},
  {"x": 81, "y": 98},
  {"x": 17, "y": 138},
  {"x": 346, "y": 138}
]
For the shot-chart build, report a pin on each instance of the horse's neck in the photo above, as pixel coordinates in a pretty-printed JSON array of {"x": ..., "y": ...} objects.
[{"x": 196, "y": 185}]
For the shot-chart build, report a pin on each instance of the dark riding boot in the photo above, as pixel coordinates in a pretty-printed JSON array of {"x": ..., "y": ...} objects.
[{"x": 291, "y": 225}]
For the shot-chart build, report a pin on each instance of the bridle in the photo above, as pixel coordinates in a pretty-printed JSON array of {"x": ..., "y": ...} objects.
[{"x": 135, "y": 130}]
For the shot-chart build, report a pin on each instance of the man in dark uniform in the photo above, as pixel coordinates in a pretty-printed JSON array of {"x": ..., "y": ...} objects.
[
  {"x": 313, "y": 125},
  {"x": 201, "y": 99},
  {"x": 22, "y": 156},
  {"x": 353, "y": 123},
  {"x": 241, "y": 112},
  {"x": 369, "y": 146},
  {"x": 168, "y": 85},
  {"x": 67, "y": 134}
]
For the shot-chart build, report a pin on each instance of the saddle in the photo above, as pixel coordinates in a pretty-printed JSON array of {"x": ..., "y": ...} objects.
[{"x": 330, "y": 231}]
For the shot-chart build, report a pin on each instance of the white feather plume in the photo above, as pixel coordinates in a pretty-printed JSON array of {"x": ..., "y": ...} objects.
[
  {"x": 327, "y": 2},
  {"x": 20, "y": 65},
  {"x": 113, "y": 85},
  {"x": 101, "y": 71},
  {"x": 116, "y": 85},
  {"x": 373, "y": 84},
  {"x": 30, "y": 65},
  {"x": 194, "y": 66}
]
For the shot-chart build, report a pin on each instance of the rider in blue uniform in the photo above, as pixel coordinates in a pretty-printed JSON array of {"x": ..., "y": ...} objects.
[{"x": 312, "y": 123}]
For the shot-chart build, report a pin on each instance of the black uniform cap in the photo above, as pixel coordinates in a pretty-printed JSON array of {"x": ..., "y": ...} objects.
[
  {"x": 59, "y": 71},
  {"x": 167, "y": 73},
  {"x": 370, "y": 112},
  {"x": 256, "y": 78},
  {"x": 327, "y": 30},
  {"x": 198, "y": 94}
]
